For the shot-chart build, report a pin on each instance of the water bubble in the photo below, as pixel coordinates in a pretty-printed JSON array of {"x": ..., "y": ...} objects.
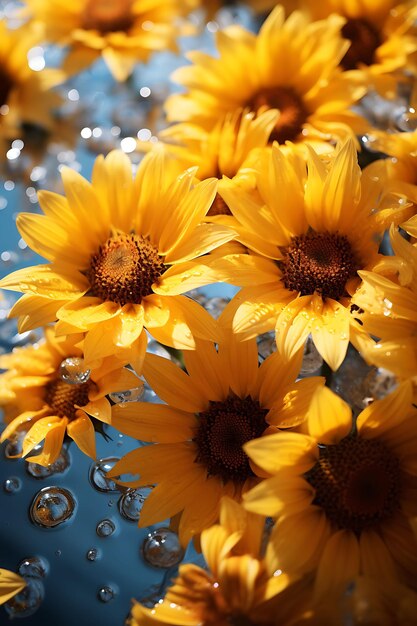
[
  {"x": 105, "y": 593},
  {"x": 92, "y": 554},
  {"x": 13, "y": 448},
  {"x": 98, "y": 475},
  {"x": 27, "y": 601},
  {"x": 52, "y": 506},
  {"x": 161, "y": 548},
  {"x": 73, "y": 371},
  {"x": 131, "y": 503},
  {"x": 105, "y": 528},
  {"x": 129, "y": 395},
  {"x": 12, "y": 484},
  {"x": 34, "y": 567},
  {"x": 407, "y": 120},
  {"x": 60, "y": 465}
]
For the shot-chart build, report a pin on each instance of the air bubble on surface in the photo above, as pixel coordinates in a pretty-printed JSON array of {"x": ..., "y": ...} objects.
[
  {"x": 105, "y": 528},
  {"x": 52, "y": 506},
  {"x": 98, "y": 475},
  {"x": 162, "y": 548}
]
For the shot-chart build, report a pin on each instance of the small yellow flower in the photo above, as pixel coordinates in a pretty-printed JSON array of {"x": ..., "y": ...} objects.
[
  {"x": 39, "y": 401},
  {"x": 123, "y": 32},
  {"x": 121, "y": 252},
  {"x": 224, "y": 400},
  {"x": 10, "y": 585},
  {"x": 344, "y": 499},
  {"x": 291, "y": 66}
]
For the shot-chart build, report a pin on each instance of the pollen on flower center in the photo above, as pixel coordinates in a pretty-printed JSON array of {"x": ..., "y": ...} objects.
[
  {"x": 293, "y": 112},
  {"x": 108, "y": 16},
  {"x": 63, "y": 398},
  {"x": 124, "y": 269},
  {"x": 219, "y": 207},
  {"x": 318, "y": 262},
  {"x": 6, "y": 85},
  {"x": 222, "y": 431},
  {"x": 364, "y": 40},
  {"x": 357, "y": 482}
]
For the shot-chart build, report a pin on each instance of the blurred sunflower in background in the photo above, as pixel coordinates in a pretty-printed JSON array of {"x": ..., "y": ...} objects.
[
  {"x": 121, "y": 250},
  {"x": 291, "y": 66},
  {"x": 224, "y": 400},
  {"x": 46, "y": 393},
  {"x": 123, "y": 32},
  {"x": 345, "y": 497},
  {"x": 10, "y": 585},
  {"x": 308, "y": 236},
  {"x": 235, "y": 589}
]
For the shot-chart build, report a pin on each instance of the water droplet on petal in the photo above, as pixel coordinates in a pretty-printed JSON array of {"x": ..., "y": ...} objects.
[
  {"x": 34, "y": 567},
  {"x": 105, "y": 528},
  {"x": 105, "y": 593},
  {"x": 12, "y": 484},
  {"x": 131, "y": 503},
  {"x": 73, "y": 371},
  {"x": 98, "y": 475},
  {"x": 161, "y": 548},
  {"x": 60, "y": 465},
  {"x": 27, "y": 601},
  {"x": 52, "y": 506},
  {"x": 129, "y": 395}
]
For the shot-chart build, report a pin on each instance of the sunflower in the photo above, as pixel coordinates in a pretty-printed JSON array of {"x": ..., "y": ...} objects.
[
  {"x": 290, "y": 66},
  {"x": 309, "y": 235},
  {"x": 121, "y": 251},
  {"x": 224, "y": 400},
  {"x": 235, "y": 590},
  {"x": 381, "y": 32},
  {"x": 25, "y": 95},
  {"x": 10, "y": 585},
  {"x": 386, "y": 307},
  {"x": 123, "y": 32},
  {"x": 345, "y": 498},
  {"x": 47, "y": 393}
]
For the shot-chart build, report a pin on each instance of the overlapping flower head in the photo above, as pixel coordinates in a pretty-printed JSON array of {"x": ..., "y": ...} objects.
[
  {"x": 344, "y": 496},
  {"x": 309, "y": 234},
  {"x": 123, "y": 32},
  {"x": 47, "y": 394},
  {"x": 224, "y": 400},
  {"x": 291, "y": 65},
  {"x": 121, "y": 249},
  {"x": 382, "y": 35},
  {"x": 236, "y": 589},
  {"x": 26, "y": 97}
]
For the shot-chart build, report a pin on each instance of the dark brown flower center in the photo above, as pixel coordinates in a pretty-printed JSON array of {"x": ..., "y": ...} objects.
[
  {"x": 293, "y": 112},
  {"x": 318, "y": 262},
  {"x": 62, "y": 397},
  {"x": 6, "y": 85},
  {"x": 364, "y": 39},
  {"x": 357, "y": 482},
  {"x": 222, "y": 431},
  {"x": 219, "y": 207},
  {"x": 124, "y": 269},
  {"x": 108, "y": 16}
]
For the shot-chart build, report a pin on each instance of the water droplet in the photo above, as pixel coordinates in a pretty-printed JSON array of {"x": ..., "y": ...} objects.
[
  {"x": 52, "y": 506},
  {"x": 407, "y": 121},
  {"x": 129, "y": 395},
  {"x": 161, "y": 548},
  {"x": 12, "y": 484},
  {"x": 27, "y": 601},
  {"x": 13, "y": 448},
  {"x": 105, "y": 594},
  {"x": 34, "y": 567},
  {"x": 131, "y": 503},
  {"x": 92, "y": 554},
  {"x": 72, "y": 371},
  {"x": 105, "y": 528},
  {"x": 98, "y": 475},
  {"x": 61, "y": 464}
]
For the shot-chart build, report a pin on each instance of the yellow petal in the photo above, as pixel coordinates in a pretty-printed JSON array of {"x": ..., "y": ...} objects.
[
  {"x": 154, "y": 422},
  {"x": 81, "y": 430},
  {"x": 38, "y": 432},
  {"x": 53, "y": 444},
  {"x": 10, "y": 585},
  {"x": 283, "y": 449},
  {"x": 339, "y": 563},
  {"x": 329, "y": 417}
]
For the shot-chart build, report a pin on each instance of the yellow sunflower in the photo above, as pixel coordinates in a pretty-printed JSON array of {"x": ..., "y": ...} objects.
[
  {"x": 47, "y": 393},
  {"x": 121, "y": 250},
  {"x": 25, "y": 95},
  {"x": 345, "y": 498},
  {"x": 224, "y": 400},
  {"x": 236, "y": 589},
  {"x": 381, "y": 32},
  {"x": 291, "y": 66},
  {"x": 386, "y": 306},
  {"x": 10, "y": 585},
  {"x": 309, "y": 236},
  {"x": 123, "y": 32}
]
